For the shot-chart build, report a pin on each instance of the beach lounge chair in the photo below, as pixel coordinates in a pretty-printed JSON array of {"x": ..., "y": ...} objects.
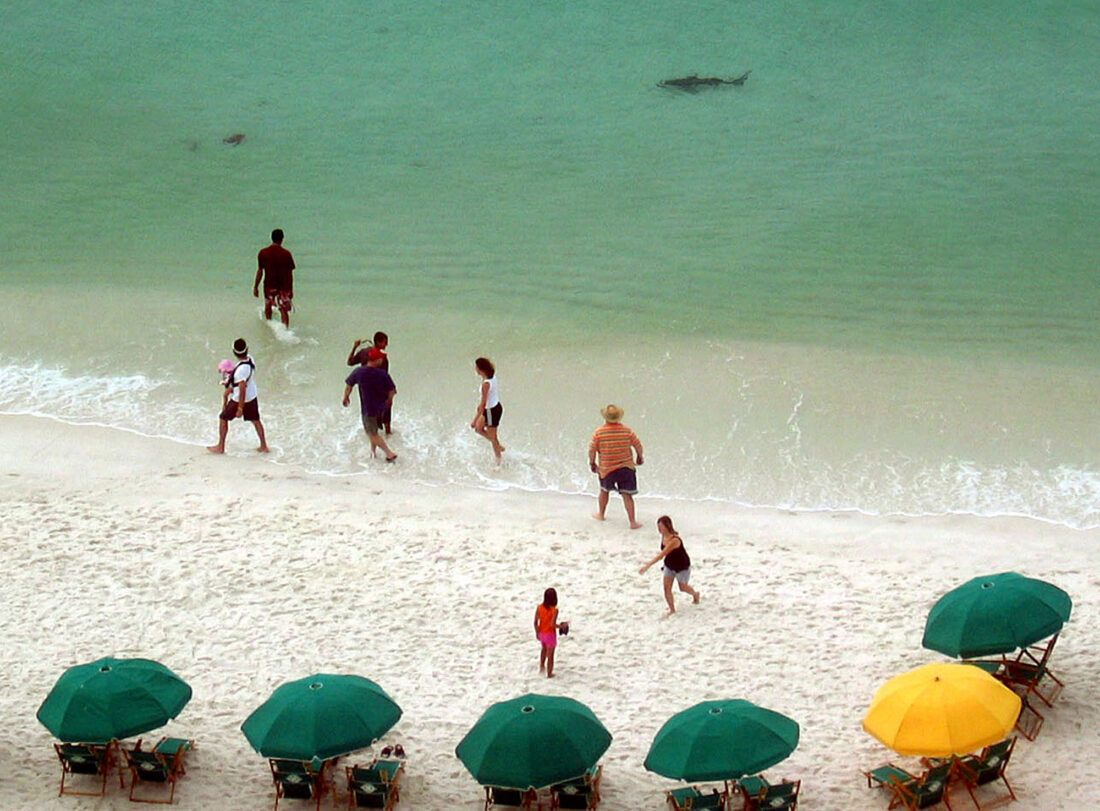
[
  {"x": 888, "y": 773},
  {"x": 160, "y": 767},
  {"x": 985, "y": 768},
  {"x": 760, "y": 794},
  {"x": 922, "y": 792},
  {"x": 1028, "y": 670},
  {"x": 581, "y": 792},
  {"x": 91, "y": 759},
  {"x": 376, "y": 785},
  {"x": 297, "y": 780},
  {"x": 693, "y": 799},
  {"x": 175, "y": 748},
  {"x": 496, "y": 797}
]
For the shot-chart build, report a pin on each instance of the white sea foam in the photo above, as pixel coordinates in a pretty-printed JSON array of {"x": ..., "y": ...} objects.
[{"x": 758, "y": 468}]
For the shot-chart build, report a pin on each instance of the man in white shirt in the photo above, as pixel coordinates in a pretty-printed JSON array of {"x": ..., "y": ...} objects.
[{"x": 241, "y": 399}]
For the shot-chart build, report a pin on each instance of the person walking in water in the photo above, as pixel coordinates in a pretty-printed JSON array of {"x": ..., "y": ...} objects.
[
  {"x": 615, "y": 445},
  {"x": 546, "y": 631},
  {"x": 677, "y": 563},
  {"x": 358, "y": 357},
  {"x": 276, "y": 270},
  {"x": 376, "y": 391},
  {"x": 242, "y": 399},
  {"x": 487, "y": 417}
]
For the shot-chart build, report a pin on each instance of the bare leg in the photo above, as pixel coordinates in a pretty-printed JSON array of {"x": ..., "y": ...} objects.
[
  {"x": 601, "y": 502},
  {"x": 491, "y": 435},
  {"x": 267, "y": 309},
  {"x": 377, "y": 442},
  {"x": 223, "y": 430},
  {"x": 668, "y": 597},
  {"x": 628, "y": 502},
  {"x": 684, "y": 587},
  {"x": 542, "y": 659},
  {"x": 550, "y": 663},
  {"x": 285, "y": 315},
  {"x": 259, "y": 426}
]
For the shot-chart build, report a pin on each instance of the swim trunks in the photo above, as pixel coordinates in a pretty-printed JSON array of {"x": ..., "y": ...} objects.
[{"x": 624, "y": 480}]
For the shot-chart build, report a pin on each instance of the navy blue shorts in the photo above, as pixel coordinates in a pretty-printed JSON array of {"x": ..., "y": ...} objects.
[{"x": 623, "y": 480}]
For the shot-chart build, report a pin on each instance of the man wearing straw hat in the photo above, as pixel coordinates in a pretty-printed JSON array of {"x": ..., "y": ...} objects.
[{"x": 616, "y": 446}]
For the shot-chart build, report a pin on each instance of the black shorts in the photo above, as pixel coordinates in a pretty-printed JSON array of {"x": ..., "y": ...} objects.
[
  {"x": 251, "y": 411},
  {"x": 492, "y": 415},
  {"x": 623, "y": 480}
]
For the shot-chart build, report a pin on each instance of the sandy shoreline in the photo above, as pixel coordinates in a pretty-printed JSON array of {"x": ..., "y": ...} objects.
[{"x": 241, "y": 574}]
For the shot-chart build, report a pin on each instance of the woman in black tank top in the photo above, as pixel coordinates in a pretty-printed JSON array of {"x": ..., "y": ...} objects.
[{"x": 677, "y": 563}]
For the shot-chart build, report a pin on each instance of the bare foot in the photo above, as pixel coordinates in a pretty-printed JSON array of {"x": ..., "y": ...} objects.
[
  {"x": 391, "y": 458},
  {"x": 549, "y": 675},
  {"x": 263, "y": 449},
  {"x": 669, "y": 613},
  {"x": 695, "y": 599},
  {"x": 215, "y": 449},
  {"x": 635, "y": 525},
  {"x": 598, "y": 517}
]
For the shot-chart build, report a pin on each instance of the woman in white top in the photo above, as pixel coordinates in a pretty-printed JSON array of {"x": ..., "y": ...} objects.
[{"x": 489, "y": 408}]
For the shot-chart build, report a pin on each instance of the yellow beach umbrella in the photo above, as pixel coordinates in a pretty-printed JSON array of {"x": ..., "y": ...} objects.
[{"x": 942, "y": 709}]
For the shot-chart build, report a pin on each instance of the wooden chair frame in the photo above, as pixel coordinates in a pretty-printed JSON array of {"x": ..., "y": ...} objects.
[
  {"x": 284, "y": 769},
  {"x": 380, "y": 773},
  {"x": 104, "y": 756},
  {"x": 528, "y": 798},
  {"x": 1029, "y": 670},
  {"x": 908, "y": 793},
  {"x": 697, "y": 800},
  {"x": 980, "y": 770},
  {"x": 788, "y": 789},
  {"x": 153, "y": 767},
  {"x": 586, "y": 786}
]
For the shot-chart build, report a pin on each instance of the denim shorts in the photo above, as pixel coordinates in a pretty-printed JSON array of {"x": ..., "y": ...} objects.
[{"x": 681, "y": 576}]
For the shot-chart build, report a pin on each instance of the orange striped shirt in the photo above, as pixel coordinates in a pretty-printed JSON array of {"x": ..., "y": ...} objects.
[{"x": 613, "y": 442}]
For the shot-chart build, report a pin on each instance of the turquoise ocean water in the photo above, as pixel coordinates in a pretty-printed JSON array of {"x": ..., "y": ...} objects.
[{"x": 866, "y": 279}]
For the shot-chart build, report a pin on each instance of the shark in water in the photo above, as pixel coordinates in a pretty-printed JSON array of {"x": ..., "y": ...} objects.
[{"x": 692, "y": 83}]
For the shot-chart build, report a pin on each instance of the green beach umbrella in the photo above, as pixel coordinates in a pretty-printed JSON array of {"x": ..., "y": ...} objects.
[
  {"x": 995, "y": 614},
  {"x": 109, "y": 699},
  {"x": 321, "y": 717},
  {"x": 721, "y": 740},
  {"x": 533, "y": 741}
]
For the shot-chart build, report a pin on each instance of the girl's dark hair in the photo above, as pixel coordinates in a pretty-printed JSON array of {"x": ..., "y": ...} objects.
[
  {"x": 380, "y": 336},
  {"x": 664, "y": 519},
  {"x": 550, "y": 598},
  {"x": 485, "y": 365}
]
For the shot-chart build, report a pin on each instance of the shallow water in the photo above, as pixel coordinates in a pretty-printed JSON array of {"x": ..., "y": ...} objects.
[{"x": 864, "y": 280}]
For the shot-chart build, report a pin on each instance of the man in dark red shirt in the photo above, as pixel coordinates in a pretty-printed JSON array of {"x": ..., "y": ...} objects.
[{"x": 276, "y": 268}]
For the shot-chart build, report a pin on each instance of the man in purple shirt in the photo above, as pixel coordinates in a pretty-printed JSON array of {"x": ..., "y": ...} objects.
[{"x": 376, "y": 391}]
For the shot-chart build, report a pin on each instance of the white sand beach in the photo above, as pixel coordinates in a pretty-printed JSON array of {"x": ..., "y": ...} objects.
[{"x": 240, "y": 574}]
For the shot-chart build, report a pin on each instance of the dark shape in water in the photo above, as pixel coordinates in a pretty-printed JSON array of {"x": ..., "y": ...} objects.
[
  {"x": 692, "y": 83},
  {"x": 236, "y": 139}
]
